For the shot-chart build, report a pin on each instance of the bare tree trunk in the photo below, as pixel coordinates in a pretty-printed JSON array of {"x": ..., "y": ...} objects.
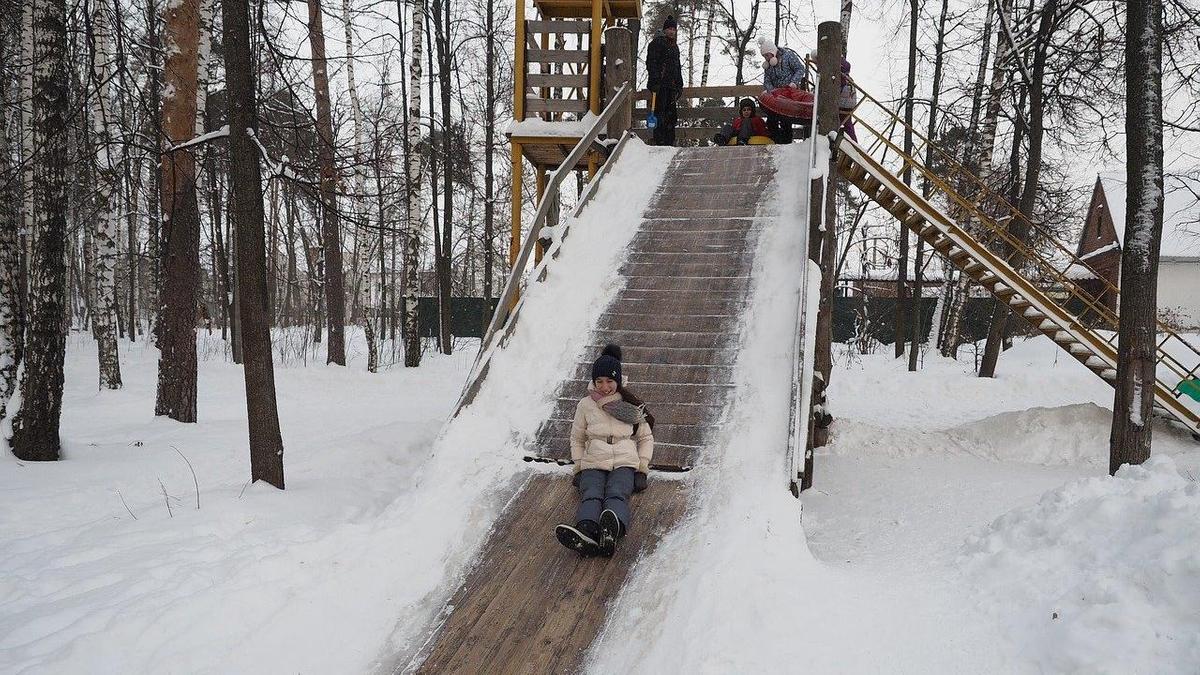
[
  {"x": 1019, "y": 229},
  {"x": 489, "y": 155},
  {"x": 926, "y": 188},
  {"x": 847, "y": 12},
  {"x": 181, "y": 219},
  {"x": 266, "y": 443},
  {"x": 909, "y": 93},
  {"x": 977, "y": 159},
  {"x": 108, "y": 180},
  {"x": 362, "y": 267},
  {"x": 152, "y": 129},
  {"x": 35, "y": 425},
  {"x": 444, "y": 274},
  {"x": 412, "y": 249},
  {"x": 331, "y": 238},
  {"x": 1134, "y": 398},
  {"x": 12, "y": 318},
  {"x": 708, "y": 34}
]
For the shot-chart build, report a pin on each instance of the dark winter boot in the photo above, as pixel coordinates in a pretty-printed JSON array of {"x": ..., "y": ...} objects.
[
  {"x": 611, "y": 532},
  {"x": 583, "y": 538}
]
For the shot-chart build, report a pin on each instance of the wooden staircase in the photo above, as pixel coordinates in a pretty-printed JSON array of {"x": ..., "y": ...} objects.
[{"x": 1040, "y": 291}]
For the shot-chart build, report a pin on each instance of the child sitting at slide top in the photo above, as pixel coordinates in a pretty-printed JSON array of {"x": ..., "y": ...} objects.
[
  {"x": 745, "y": 125},
  {"x": 612, "y": 442}
]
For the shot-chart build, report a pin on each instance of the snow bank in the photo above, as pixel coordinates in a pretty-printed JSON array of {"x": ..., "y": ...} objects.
[
  {"x": 945, "y": 393},
  {"x": 103, "y": 572},
  {"x": 1101, "y": 575}
]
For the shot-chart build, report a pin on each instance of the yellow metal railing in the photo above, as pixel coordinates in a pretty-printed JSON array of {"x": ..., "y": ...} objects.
[{"x": 994, "y": 215}]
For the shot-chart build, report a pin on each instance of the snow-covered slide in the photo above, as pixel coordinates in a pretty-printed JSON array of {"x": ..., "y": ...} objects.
[{"x": 661, "y": 261}]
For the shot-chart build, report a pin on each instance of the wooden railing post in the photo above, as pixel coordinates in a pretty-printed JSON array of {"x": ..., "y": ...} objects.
[{"x": 618, "y": 69}]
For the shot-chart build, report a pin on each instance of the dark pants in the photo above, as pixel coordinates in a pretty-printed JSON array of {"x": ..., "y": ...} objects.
[
  {"x": 667, "y": 112},
  {"x": 745, "y": 132},
  {"x": 779, "y": 127},
  {"x": 600, "y": 490}
]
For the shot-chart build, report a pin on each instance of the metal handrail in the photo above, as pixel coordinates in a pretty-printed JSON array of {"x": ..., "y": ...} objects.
[
  {"x": 997, "y": 232},
  {"x": 512, "y": 284}
]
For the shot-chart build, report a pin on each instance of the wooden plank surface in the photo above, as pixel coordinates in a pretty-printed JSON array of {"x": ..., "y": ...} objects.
[
  {"x": 531, "y": 606},
  {"x": 534, "y": 104},
  {"x": 536, "y": 608}
]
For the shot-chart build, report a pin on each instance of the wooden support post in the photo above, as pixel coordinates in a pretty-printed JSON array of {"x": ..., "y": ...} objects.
[
  {"x": 540, "y": 182},
  {"x": 514, "y": 245},
  {"x": 823, "y": 221},
  {"x": 594, "y": 65},
  {"x": 519, "y": 66},
  {"x": 618, "y": 69}
]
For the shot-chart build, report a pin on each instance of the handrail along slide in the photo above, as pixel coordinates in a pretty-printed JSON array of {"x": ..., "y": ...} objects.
[
  {"x": 508, "y": 306},
  {"x": 992, "y": 215}
]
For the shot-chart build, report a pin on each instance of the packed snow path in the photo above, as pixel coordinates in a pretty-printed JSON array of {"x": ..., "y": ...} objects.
[{"x": 530, "y": 605}]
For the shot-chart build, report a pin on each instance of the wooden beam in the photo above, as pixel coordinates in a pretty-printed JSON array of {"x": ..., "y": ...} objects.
[
  {"x": 559, "y": 105},
  {"x": 594, "y": 67},
  {"x": 556, "y": 56},
  {"x": 519, "y": 68},
  {"x": 559, "y": 26},
  {"x": 724, "y": 113},
  {"x": 514, "y": 244},
  {"x": 751, "y": 90},
  {"x": 556, "y": 80}
]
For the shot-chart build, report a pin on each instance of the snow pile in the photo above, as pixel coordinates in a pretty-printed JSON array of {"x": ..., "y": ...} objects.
[
  {"x": 876, "y": 389},
  {"x": 110, "y": 567},
  {"x": 1101, "y": 575},
  {"x": 536, "y": 126}
]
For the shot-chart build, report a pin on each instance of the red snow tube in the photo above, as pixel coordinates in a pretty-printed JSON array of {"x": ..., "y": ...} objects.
[{"x": 788, "y": 102}]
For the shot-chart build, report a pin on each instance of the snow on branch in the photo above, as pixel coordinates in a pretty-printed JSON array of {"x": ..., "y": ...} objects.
[
  {"x": 223, "y": 132},
  {"x": 274, "y": 169}
]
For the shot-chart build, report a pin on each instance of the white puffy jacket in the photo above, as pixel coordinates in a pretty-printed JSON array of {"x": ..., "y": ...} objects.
[{"x": 601, "y": 441}]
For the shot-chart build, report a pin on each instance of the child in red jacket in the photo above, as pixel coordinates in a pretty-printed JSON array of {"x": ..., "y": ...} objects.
[{"x": 745, "y": 125}]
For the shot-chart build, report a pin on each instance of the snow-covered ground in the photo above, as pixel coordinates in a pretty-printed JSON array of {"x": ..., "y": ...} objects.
[
  {"x": 341, "y": 573},
  {"x": 956, "y": 524}
]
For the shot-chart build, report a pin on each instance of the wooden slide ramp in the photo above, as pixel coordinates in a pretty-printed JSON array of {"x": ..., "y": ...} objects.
[{"x": 530, "y": 605}]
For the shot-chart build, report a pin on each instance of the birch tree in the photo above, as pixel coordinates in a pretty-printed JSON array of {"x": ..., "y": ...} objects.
[
  {"x": 35, "y": 426},
  {"x": 12, "y": 324},
  {"x": 108, "y": 181},
  {"x": 412, "y": 247},
  {"x": 1129, "y": 442}
]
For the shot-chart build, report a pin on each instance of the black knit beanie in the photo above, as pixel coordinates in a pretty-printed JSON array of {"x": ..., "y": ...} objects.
[
  {"x": 670, "y": 22},
  {"x": 608, "y": 365}
]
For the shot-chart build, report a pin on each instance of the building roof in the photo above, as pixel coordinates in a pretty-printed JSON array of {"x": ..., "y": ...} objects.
[{"x": 1181, "y": 213}]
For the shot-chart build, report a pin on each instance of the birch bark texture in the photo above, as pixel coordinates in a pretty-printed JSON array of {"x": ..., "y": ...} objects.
[
  {"x": 108, "y": 183},
  {"x": 412, "y": 246},
  {"x": 35, "y": 426}
]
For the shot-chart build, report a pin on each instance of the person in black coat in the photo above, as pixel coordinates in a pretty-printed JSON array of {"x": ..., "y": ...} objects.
[{"x": 665, "y": 74}]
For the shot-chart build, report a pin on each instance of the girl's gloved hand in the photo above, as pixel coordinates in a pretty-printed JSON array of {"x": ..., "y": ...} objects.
[{"x": 639, "y": 481}]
